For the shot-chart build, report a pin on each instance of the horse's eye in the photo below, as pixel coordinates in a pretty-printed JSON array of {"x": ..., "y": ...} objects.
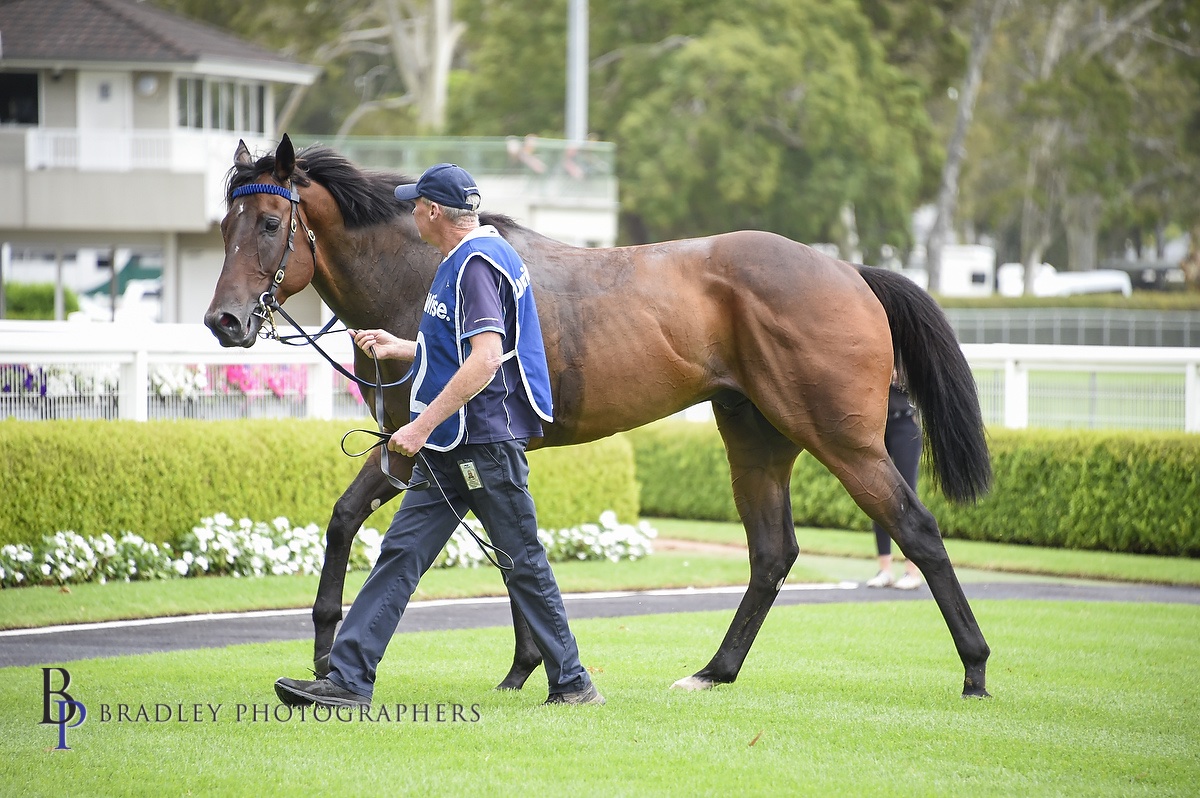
[{"x": 271, "y": 225}]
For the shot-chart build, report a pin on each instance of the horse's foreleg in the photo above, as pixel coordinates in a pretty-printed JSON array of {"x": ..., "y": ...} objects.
[
  {"x": 526, "y": 657},
  {"x": 369, "y": 490},
  {"x": 760, "y": 462}
]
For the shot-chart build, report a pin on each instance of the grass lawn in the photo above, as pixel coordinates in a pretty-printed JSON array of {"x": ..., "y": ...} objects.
[
  {"x": 43, "y": 606},
  {"x": 966, "y": 553},
  {"x": 853, "y": 699},
  {"x": 847, "y": 555}
]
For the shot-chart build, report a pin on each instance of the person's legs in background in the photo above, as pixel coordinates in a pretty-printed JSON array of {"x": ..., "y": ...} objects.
[{"x": 903, "y": 441}]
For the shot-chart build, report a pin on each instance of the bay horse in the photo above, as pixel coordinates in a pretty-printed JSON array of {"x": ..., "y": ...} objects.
[{"x": 794, "y": 349}]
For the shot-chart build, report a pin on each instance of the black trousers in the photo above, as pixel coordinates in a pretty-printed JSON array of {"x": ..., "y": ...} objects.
[{"x": 903, "y": 441}]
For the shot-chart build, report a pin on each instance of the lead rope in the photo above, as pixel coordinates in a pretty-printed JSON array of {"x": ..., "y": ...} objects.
[{"x": 383, "y": 437}]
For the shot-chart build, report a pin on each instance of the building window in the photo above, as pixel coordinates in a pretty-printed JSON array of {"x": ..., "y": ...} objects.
[
  {"x": 221, "y": 105},
  {"x": 251, "y": 100},
  {"x": 191, "y": 103},
  {"x": 18, "y": 98}
]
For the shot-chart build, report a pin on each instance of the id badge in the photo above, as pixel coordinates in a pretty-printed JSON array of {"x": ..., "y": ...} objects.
[{"x": 470, "y": 474}]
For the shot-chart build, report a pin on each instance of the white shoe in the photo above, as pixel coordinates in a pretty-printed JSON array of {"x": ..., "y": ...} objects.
[
  {"x": 882, "y": 579},
  {"x": 908, "y": 582}
]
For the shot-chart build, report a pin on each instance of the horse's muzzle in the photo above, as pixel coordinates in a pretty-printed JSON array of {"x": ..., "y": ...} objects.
[{"x": 230, "y": 330}]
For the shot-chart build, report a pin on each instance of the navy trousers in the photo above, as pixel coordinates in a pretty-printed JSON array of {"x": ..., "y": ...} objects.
[{"x": 419, "y": 531}]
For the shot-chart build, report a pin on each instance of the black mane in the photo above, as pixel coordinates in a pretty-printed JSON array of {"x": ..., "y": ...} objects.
[{"x": 364, "y": 197}]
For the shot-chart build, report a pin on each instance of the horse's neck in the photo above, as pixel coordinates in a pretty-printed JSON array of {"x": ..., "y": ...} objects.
[{"x": 377, "y": 277}]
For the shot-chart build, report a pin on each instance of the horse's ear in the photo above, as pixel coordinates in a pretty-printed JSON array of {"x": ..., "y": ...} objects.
[
  {"x": 285, "y": 160},
  {"x": 242, "y": 154}
]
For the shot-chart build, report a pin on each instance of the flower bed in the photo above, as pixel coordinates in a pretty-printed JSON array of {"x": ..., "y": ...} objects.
[{"x": 244, "y": 548}]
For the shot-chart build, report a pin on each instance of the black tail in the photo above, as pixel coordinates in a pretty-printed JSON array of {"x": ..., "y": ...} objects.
[{"x": 940, "y": 383}]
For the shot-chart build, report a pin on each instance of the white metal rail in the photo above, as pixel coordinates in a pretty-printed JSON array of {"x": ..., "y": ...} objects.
[
  {"x": 1017, "y": 362},
  {"x": 136, "y": 348},
  {"x": 1133, "y": 387}
]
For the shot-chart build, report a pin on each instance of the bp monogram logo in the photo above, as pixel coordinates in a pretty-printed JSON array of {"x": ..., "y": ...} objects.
[{"x": 63, "y": 711}]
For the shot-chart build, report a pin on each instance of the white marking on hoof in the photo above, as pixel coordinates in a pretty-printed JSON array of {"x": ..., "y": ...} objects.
[
  {"x": 374, "y": 505},
  {"x": 779, "y": 586},
  {"x": 692, "y": 683}
]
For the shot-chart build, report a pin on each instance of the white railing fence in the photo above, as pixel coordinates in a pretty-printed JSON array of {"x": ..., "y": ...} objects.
[
  {"x": 143, "y": 371},
  {"x": 147, "y": 371},
  {"x": 1096, "y": 387}
]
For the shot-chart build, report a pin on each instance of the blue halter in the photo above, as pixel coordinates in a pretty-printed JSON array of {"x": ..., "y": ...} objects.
[{"x": 267, "y": 302}]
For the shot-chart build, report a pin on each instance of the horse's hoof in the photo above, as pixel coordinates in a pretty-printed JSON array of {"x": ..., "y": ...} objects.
[
  {"x": 321, "y": 666},
  {"x": 505, "y": 687},
  {"x": 973, "y": 688},
  {"x": 693, "y": 683}
]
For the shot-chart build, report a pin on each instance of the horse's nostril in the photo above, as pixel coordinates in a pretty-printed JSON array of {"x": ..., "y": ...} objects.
[{"x": 228, "y": 321}]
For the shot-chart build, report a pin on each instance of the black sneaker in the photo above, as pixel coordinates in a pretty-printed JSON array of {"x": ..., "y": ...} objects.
[
  {"x": 588, "y": 695},
  {"x": 299, "y": 693}
]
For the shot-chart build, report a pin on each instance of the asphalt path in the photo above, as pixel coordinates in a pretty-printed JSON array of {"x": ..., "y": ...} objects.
[{"x": 59, "y": 644}]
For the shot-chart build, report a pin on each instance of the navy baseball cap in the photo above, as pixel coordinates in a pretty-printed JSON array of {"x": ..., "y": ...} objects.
[{"x": 446, "y": 184}]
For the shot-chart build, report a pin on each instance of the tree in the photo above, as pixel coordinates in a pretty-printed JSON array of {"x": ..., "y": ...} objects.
[
  {"x": 1081, "y": 135},
  {"x": 985, "y": 14},
  {"x": 377, "y": 55},
  {"x": 775, "y": 129},
  {"x": 1085, "y": 54},
  {"x": 789, "y": 107}
]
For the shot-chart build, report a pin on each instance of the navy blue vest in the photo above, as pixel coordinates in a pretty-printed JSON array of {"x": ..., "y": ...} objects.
[{"x": 440, "y": 346}]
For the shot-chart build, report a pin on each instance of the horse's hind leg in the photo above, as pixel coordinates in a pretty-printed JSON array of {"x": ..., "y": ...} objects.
[
  {"x": 760, "y": 463},
  {"x": 369, "y": 490},
  {"x": 872, "y": 479},
  {"x": 526, "y": 656}
]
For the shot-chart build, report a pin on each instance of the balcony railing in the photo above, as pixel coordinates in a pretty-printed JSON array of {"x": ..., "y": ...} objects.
[
  {"x": 127, "y": 150},
  {"x": 541, "y": 167}
]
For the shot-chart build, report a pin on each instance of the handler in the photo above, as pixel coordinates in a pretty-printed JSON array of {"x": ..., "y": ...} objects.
[{"x": 481, "y": 391}]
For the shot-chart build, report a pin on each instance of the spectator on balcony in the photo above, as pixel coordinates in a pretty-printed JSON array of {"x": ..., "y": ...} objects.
[{"x": 523, "y": 152}]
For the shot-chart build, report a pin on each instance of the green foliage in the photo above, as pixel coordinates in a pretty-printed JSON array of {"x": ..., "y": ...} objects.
[
  {"x": 35, "y": 301},
  {"x": 574, "y": 485},
  {"x": 767, "y": 115},
  {"x": 775, "y": 126},
  {"x": 158, "y": 479},
  {"x": 1127, "y": 492}
]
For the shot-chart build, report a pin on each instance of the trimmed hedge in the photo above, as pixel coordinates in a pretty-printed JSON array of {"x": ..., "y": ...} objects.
[
  {"x": 1127, "y": 492},
  {"x": 35, "y": 301},
  {"x": 159, "y": 478}
]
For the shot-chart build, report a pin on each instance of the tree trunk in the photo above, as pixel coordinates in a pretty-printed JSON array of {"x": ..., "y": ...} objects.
[
  {"x": 1191, "y": 263},
  {"x": 1081, "y": 218},
  {"x": 986, "y": 14},
  {"x": 1036, "y": 217}
]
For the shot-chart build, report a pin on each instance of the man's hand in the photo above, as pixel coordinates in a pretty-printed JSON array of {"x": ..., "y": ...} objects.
[
  {"x": 386, "y": 345},
  {"x": 471, "y": 378},
  {"x": 408, "y": 440}
]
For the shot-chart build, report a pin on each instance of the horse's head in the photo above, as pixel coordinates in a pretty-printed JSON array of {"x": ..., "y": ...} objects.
[{"x": 265, "y": 261}]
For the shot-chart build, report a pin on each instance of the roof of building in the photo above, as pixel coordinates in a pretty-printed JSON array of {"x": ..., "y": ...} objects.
[{"x": 118, "y": 31}]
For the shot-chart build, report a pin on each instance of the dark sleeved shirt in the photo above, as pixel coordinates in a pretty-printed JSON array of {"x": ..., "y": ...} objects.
[{"x": 501, "y": 411}]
